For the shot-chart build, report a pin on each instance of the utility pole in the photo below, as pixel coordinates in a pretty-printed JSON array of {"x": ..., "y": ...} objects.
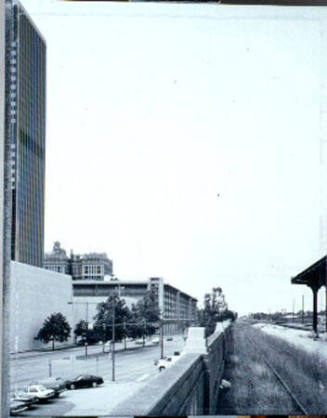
[
  {"x": 113, "y": 337},
  {"x": 161, "y": 339},
  {"x": 293, "y": 310},
  {"x": 50, "y": 368},
  {"x": 326, "y": 307},
  {"x": 144, "y": 331},
  {"x": 124, "y": 326}
]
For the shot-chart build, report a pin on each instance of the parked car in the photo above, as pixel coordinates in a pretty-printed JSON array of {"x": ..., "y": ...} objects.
[
  {"x": 41, "y": 392},
  {"x": 139, "y": 341},
  {"x": 22, "y": 396},
  {"x": 169, "y": 338},
  {"x": 165, "y": 363},
  {"x": 17, "y": 407},
  {"x": 55, "y": 383},
  {"x": 155, "y": 340},
  {"x": 84, "y": 381}
]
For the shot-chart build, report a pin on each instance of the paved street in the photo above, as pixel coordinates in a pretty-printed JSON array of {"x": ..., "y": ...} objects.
[{"x": 134, "y": 367}]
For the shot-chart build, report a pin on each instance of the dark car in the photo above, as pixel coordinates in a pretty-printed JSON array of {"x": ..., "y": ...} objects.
[
  {"x": 16, "y": 407},
  {"x": 84, "y": 381},
  {"x": 54, "y": 383}
]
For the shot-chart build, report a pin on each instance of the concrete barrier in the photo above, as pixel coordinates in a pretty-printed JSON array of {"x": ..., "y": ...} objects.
[
  {"x": 191, "y": 385},
  {"x": 196, "y": 342}
]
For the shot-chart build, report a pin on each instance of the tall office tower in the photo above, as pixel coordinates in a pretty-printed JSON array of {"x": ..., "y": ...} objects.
[{"x": 26, "y": 117}]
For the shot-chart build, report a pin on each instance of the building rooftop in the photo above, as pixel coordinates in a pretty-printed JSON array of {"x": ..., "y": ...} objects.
[
  {"x": 110, "y": 282},
  {"x": 125, "y": 282}
]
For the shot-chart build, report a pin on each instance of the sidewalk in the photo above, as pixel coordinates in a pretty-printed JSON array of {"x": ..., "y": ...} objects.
[{"x": 93, "y": 350}]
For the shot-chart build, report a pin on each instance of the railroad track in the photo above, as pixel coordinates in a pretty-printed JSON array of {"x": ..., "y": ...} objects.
[{"x": 282, "y": 382}]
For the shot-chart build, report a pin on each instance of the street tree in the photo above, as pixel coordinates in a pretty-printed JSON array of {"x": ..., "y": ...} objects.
[
  {"x": 135, "y": 326},
  {"x": 55, "y": 328},
  {"x": 113, "y": 306},
  {"x": 87, "y": 332},
  {"x": 215, "y": 310},
  {"x": 148, "y": 313},
  {"x": 81, "y": 329}
]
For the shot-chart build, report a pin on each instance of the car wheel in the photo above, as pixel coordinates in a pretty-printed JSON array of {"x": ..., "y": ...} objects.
[
  {"x": 161, "y": 368},
  {"x": 94, "y": 384},
  {"x": 72, "y": 387}
]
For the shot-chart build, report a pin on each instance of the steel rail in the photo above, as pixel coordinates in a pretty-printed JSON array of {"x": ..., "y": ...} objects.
[
  {"x": 282, "y": 382},
  {"x": 286, "y": 387}
]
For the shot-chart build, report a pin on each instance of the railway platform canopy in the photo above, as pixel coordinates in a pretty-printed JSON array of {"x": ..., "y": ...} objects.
[{"x": 315, "y": 276}]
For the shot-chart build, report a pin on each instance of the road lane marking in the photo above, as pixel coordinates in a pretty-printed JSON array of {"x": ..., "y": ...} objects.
[{"x": 143, "y": 377}]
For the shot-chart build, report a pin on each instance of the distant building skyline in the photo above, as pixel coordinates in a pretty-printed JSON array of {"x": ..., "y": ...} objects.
[
  {"x": 89, "y": 266},
  {"x": 26, "y": 75}
]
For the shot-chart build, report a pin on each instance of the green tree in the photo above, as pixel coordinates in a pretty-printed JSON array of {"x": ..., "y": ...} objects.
[
  {"x": 81, "y": 329},
  {"x": 215, "y": 310},
  {"x": 135, "y": 326},
  {"x": 55, "y": 328},
  {"x": 87, "y": 332},
  {"x": 103, "y": 318},
  {"x": 148, "y": 313}
]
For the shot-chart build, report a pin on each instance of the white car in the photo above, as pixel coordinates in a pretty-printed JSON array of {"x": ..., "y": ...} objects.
[
  {"x": 155, "y": 340},
  {"x": 41, "y": 392},
  {"x": 165, "y": 363}
]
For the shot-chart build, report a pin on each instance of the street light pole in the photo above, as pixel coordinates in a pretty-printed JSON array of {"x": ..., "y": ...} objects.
[
  {"x": 113, "y": 336},
  {"x": 124, "y": 327},
  {"x": 293, "y": 309},
  {"x": 144, "y": 332},
  {"x": 161, "y": 340},
  {"x": 87, "y": 312},
  {"x": 326, "y": 306}
]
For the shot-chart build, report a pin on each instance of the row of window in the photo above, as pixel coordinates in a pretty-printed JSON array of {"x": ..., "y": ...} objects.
[
  {"x": 58, "y": 269},
  {"x": 92, "y": 270}
]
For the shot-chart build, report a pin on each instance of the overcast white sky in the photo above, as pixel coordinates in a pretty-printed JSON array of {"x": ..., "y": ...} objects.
[{"x": 154, "y": 109}]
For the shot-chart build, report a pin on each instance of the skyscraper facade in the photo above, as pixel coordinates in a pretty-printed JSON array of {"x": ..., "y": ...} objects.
[{"x": 27, "y": 78}]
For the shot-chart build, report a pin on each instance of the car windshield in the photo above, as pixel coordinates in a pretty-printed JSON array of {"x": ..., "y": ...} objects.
[{"x": 79, "y": 377}]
